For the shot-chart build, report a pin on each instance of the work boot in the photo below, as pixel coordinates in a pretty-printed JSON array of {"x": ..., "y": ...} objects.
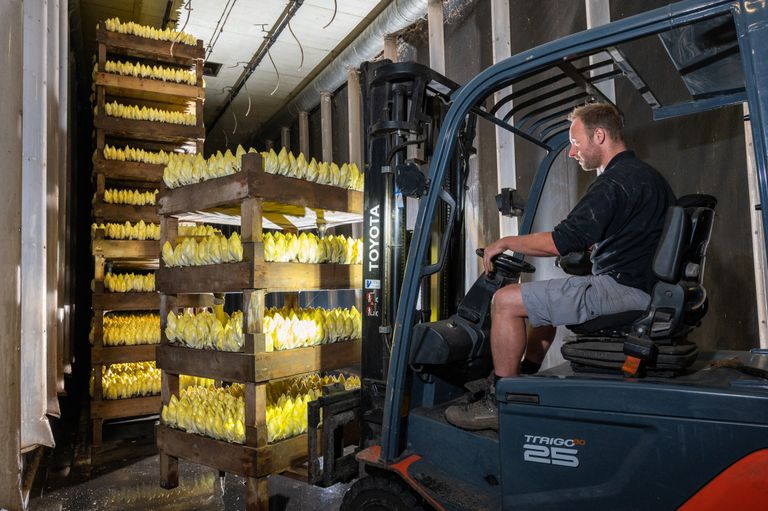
[{"x": 481, "y": 414}]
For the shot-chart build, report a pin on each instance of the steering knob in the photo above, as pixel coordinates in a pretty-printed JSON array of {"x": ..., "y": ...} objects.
[{"x": 508, "y": 264}]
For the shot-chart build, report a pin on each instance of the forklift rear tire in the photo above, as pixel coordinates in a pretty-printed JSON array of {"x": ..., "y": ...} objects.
[{"x": 380, "y": 493}]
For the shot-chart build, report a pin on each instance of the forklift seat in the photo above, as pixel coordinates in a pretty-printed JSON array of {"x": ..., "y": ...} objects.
[{"x": 656, "y": 336}]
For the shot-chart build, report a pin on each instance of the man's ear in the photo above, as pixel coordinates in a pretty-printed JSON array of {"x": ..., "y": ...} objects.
[{"x": 598, "y": 136}]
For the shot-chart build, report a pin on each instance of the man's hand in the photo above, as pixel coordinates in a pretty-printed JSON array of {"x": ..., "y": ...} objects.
[
  {"x": 491, "y": 251},
  {"x": 540, "y": 244}
]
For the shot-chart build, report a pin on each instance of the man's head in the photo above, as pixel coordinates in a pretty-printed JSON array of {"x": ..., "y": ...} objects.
[{"x": 595, "y": 135}]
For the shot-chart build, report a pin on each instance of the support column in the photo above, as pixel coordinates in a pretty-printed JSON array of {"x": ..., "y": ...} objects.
[
  {"x": 506, "y": 172},
  {"x": 35, "y": 430},
  {"x": 10, "y": 256},
  {"x": 599, "y": 13},
  {"x": 390, "y": 47},
  {"x": 758, "y": 235},
  {"x": 52, "y": 207},
  {"x": 436, "y": 38},
  {"x": 285, "y": 137},
  {"x": 269, "y": 144},
  {"x": 62, "y": 246},
  {"x": 355, "y": 112},
  {"x": 304, "y": 133},
  {"x": 326, "y": 124}
]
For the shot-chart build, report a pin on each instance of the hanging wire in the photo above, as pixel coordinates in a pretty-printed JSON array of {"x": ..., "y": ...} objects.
[
  {"x": 232, "y": 109},
  {"x": 188, "y": 8},
  {"x": 245, "y": 85},
  {"x": 301, "y": 49},
  {"x": 226, "y": 138},
  {"x": 277, "y": 86},
  {"x": 335, "y": 8}
]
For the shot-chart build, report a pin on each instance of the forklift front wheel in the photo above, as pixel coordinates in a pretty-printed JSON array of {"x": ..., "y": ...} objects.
[{"x": 380, "y": 493}]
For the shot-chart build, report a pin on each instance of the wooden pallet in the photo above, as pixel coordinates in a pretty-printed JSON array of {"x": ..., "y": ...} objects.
[
  {"x": 141, "y": 47},
  {"x": 148, "y": 89},
  {"x": 133, "y": 250},
  {"x": 127, "y": 170},
  {"x": 259, "y": 366},
  {"x": 105, "y": 409},
  {"x": 252, "y": 182},
  {"x": 148, "y": 130}
]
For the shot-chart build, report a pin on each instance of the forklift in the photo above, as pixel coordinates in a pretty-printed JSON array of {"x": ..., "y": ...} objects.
[{"x": 637, "y": 417}]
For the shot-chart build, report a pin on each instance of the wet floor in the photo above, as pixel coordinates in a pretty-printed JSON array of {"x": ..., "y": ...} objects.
[
  {"x": 124, "y": 473},
  {"x": 135, "y": 487}
]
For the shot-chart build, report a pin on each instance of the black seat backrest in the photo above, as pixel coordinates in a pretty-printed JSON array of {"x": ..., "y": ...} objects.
[{"x": 678, "y": 301}]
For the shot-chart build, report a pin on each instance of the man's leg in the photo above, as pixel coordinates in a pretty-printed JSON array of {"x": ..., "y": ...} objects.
[
  {"x": 508, "y": 336},
  {"x": 539, "y": 341}
]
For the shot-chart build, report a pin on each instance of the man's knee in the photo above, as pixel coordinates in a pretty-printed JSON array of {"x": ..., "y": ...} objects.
[{"x": 509, "y": 300}]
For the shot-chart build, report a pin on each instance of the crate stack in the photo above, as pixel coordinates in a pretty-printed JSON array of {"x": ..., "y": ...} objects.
[
  {"x": 255, "y": 194},
  {"x": 117, "y": 77}
]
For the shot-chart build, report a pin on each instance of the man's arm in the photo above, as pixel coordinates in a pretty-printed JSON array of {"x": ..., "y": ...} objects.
[{"x": 539, "y": 244}]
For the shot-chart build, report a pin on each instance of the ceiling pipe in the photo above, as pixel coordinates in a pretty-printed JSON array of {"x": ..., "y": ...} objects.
[
  {"x": 266, "y": 44},
  {"x": 399, "y": 15}
]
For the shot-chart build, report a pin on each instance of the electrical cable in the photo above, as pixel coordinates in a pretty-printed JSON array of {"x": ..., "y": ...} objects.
[
  {"x": 301, "y": 49},
  {"x": 335, "y": 8}
]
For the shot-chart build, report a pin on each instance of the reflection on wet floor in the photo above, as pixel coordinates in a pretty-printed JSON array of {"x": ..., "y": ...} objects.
[
  {"x": 136, "y": 487},
  {"x": 124, "y": 474}
]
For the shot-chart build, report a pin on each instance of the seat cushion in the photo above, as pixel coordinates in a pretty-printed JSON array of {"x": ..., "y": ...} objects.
[{"x": 611, "y": 325}]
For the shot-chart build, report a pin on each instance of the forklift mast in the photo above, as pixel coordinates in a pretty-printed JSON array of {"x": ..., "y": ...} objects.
[{"x": 404, "y": 105}]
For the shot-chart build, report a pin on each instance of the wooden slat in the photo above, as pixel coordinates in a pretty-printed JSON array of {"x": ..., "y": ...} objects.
[
  {"x": 136, "y": 46},
  {"x": 284, "y": 363},
  {"x": 123, "y": 354},
  {"x": 234, "y": 277},
  {"x": 126, "y": 249},
  {"x": 234, "y": 458},
  {"x": 148, "y": 88},
  {"x": 148, "y": 130},
  {"x": 127, "y": 170},
  {"x": 259, "y": 367},
  {"x": 125, "y": 301},
  {"x": 119, "y": 408},
  {"x": 252, "y": 181}
]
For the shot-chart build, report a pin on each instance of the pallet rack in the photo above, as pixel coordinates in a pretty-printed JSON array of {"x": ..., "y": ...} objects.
[
  {"x": 148, "y": 135},
  {"x": 248, "y": 190}
]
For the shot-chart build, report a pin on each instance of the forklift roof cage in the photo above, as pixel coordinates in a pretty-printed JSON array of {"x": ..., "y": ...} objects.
[{"x": 715, "y": 48}]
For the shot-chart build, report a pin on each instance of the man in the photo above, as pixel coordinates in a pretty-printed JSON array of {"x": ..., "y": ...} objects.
[{"x": 619, "y": 220}]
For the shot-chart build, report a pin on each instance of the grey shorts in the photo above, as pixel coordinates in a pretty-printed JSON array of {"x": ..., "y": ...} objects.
[{"x": 574, "y": 300}]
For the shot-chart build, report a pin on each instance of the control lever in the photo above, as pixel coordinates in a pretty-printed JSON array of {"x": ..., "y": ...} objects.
[{"x": 507, "y": 265}]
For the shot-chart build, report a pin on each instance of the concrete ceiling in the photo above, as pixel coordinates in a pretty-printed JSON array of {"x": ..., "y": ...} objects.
[{"x": 232, "y": 31}]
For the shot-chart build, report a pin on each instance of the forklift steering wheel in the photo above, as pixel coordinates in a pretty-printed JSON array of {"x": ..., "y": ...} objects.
[{"x": 507, "y": 264}]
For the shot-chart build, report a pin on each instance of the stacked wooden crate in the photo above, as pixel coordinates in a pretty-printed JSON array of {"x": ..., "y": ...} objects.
[
  {"x": 121, "y": 255},
  {"x": 254, "y": 194}
]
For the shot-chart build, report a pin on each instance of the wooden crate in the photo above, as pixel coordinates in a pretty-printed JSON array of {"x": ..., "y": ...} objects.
[
  {"x": 148, "y": 89},
  {"x": 148, "y": 130}
]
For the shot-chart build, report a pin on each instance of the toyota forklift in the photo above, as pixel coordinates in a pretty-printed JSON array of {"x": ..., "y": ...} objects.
[{"x": 637, "y": 417}]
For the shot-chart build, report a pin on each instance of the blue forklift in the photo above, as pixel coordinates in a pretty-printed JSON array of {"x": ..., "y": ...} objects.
[{"x": 637, "y": 418}]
